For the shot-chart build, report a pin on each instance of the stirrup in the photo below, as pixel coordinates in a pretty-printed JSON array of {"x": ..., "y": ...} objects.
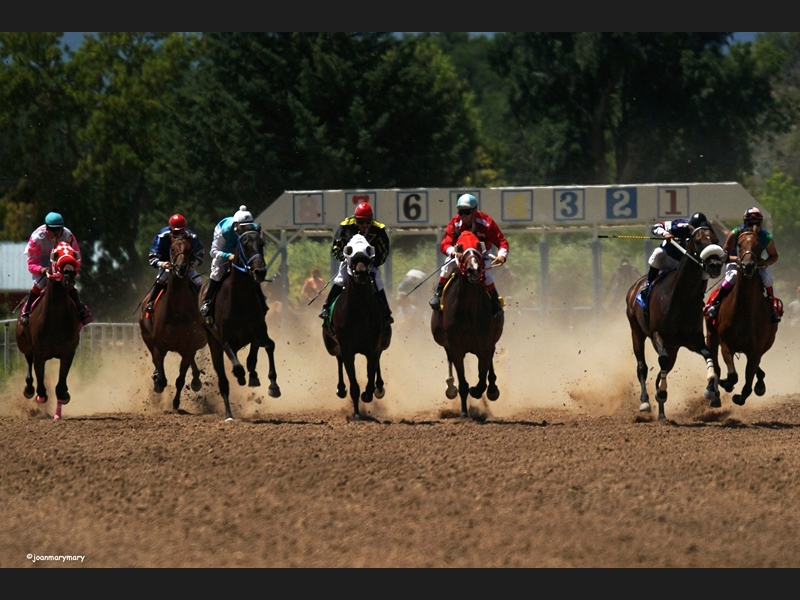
[
  {"x": 435, "y": 302},
  {"x": 206, "y": 308},
  {"x": 149, "y": 308},
  {"x": 713, "y": 310},
  {"x": 24, "y": 318},
  {"x": 324, "y": 314}
]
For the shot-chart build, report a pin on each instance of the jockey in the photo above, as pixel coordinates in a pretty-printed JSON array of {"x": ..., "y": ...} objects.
[
  {"x": 159, "y": 256},
  {"x": 361, "y": 222},
  {"x": 666, "y": 256},
  {"x": 753, "y": 220},
  {"x": 40, "y": 246},
  {"x": 223, "y": 249},
  {"x": 469, "y": 218}
]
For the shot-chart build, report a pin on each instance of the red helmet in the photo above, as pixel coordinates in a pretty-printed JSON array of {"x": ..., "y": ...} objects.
[
  {"x": 753, "y": 216},
  {"x": 177, "y": 223},
  {"x": 364, "y": 211}
]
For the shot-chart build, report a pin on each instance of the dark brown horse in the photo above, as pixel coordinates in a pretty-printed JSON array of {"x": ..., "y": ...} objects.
[
  {"x": 676, "y": 314},
  {"x": 53, "y": 330},
  {"x": 744, "y": 324},
  {"x": 176, "y": 324},
  {"x": 239, "y": 318},
  {"x": 358, "y": 326},
  {"x": 465, "y": 324}
]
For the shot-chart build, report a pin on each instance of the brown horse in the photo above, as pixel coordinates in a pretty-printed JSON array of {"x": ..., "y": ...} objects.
[
  {"x": 239, "y": 318},
  {"x": 465, "y": 324},
  {"x": 676, "y": 314},
  {"x": 358, "y": 326},
  {"x": 53, "y": 330},
  {"x": 176, "y": 324},
  {"x": 744, "y": 324}
]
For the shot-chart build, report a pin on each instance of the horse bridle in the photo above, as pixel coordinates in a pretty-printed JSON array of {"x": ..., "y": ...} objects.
[
  {"x": 703, "y": 262},
  {"x": 173, "y": 264},
  {"x": 463, "y": 268},
  {"x": 740, "y": 255},
  {"x": 245, "y": 263}
]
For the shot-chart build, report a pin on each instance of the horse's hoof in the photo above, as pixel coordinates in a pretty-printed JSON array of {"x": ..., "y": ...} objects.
[
  {"x": 644, "y": 407},
  {"x": 197, "y": 385},
  {"x": 492, "y": 394},
  {"x": 464, "y": 415},
  {"x": 716, "y": 403},
  {"x": 380, "y": 393},
  {"x": 341, "y": 392},
  {"x": 274, "y": 391},
  {"x": 228, "y": 419},
  {"x": 158, "y": 389},
  {"x": 708, "y": 394},
  {"x": 451, "y": 393},
  {"x": 760, "y": 389},
  {"x": 28, "y": 393},
  {"x": 254, "y": 382},
  {"x": 366, "y": 398},
  {"x": 41, "y": 400},
  {"x": 662, "y": 417},
  {"x": 356, "y": 417},
  {"x": 475, "y": 392},
  {"x": 738, "y": 399}
]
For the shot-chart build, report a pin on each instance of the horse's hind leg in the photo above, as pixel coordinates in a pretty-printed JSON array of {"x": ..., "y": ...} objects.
[
  {"x": 238, "y": 369},
  {"x": 760, "y": 388},
  {"x": 341, "y": 388},
  {"x": 463, "y": 386},
  {"x": 732, "y": 379},
  {"x": 355, "y": 390},
  {"x": 159, "y": 376},
  {"x": 196, "y": 384},
  {"x": 252, "y": 361},
  {"x": 186, "y": 361},
  {"x": 451, "y": 391},
  {"x": 28, "y": 392},
  {"x": 41, "y": 390},
  {"x": 218, "y": 360},
  {"x": 641, "y": 366},
  {"x": 750, "y": 373},
  {"x": 484, "y": 364}
]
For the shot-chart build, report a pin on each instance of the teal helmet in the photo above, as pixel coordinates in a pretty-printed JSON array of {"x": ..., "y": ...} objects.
[
  {"x": 54, "y": 219},
  {"x": 466, "y": 201}
]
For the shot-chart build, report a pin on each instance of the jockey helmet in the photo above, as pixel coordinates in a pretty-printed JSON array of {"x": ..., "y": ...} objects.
[
  {"x": 466, "y": 202},
  {"x": 363, "y": 211},
  {"x": 243, "y": 215},
  {"x": 753, "y": 216},
  {"x": 54, "y": 220},
  {"x": 177, "y": 223},
  {"x": 698, "y": 219}
]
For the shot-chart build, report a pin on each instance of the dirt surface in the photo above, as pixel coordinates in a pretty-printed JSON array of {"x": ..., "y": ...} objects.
[{"x": 561, "y": 471}]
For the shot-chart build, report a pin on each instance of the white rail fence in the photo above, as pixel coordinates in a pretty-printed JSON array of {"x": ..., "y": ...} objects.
[{"x": 96, "y": 339}]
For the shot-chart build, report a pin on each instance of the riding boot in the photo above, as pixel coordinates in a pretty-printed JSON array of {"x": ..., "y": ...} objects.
[
  {"x": 332, "y": 295},
  {"x": 645, "y": 292},
  {"x": 713, "y": 309},
  {"x": 381, "y": 295},
  {"x": 497, "y": 308},
  {"x": 436, "y": 301},
  {"x": 208, "y": 301},
  {"x": 26, "y": 310},
  {"x": 154, "y": 291},
  {"x": 770, "y": 296},
  {"x": 84, "y": 316}
]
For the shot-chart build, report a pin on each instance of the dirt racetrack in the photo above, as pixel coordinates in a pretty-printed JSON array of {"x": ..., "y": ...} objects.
[{"x": 560, "y": 471}]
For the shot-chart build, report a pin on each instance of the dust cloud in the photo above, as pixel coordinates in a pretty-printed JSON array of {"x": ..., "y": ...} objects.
[{"x": 575, "y": 361}]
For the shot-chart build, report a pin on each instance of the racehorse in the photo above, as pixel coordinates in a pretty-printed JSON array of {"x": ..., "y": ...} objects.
[
  {"x": 53, "y": 330},
  {"x": 743, "y": 325},
  {"x": 239, "y": 318},
  {"x": 176, "y": 324},
  {"x": 358, "y": 326},
  {"x": 465, "y": 323},
  {"x": 676, "y": 314}
]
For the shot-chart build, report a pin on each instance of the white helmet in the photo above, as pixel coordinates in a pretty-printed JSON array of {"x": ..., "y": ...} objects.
[{"x": 243, "y": 215}]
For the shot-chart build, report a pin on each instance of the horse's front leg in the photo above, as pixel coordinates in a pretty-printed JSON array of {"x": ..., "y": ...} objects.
[
  {"x": 760, "y": 388},
  {"x": 238, "y": 369},
  {"x": 28, "y": 392},
  {"x": 711, "y": 392},
  {"x": 732, "y": 379},
  {"x": 252, "y": 361},
  {"x": 666, "y": 360},
  {"x": 62, "y": 390},
  {"x": 712, "y": 389},
  {"x": 641, "y": 368},
  {"x": 380, "y": 392},
  {"x": 484, "y": 363},
  {"x": 159, "y": 375},
  {"x": 350, "y": 366},
  {"x": 463, "y": 386},
  {"x": 218, "y": 360},
  {"x": 186, "y": 361},
  {"x": 451, "y": 391},
  {"x": 492, "y": 392},
  {"x": 369, "y": 390},
  {"x": 749, "y": 375},
  {"x": 41, "y": 390},
  {"x": 341, "y": 388},
  {"x": 274, "y": 389}
]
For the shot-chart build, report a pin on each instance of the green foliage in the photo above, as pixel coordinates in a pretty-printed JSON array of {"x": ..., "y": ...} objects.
[{"x": 781, "y": 197}]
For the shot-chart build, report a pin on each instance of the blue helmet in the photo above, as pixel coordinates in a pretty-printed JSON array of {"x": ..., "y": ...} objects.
[
  {"x": 54, "y": 219},
  {"x": 466, "y": 201}
]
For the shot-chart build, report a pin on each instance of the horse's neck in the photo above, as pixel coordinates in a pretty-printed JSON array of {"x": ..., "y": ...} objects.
[
  {"x": 689, "y": 277},
  {"x": 55, "y": 300},
  {"x": 746, "y": 294},
  {"x": 178, "y": 290}
]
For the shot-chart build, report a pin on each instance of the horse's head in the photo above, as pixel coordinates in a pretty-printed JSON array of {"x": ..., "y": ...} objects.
[
  {"x": 470, "y": 257},
  {"x": 181, "y": 255},
  {"x": 748, "y": 251},
  {"x": 704, "y": 247},
  {"x": 64, "y": 264},
  {"x": 250, "y": 252},
  {"x": 359, "y": 255}
]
